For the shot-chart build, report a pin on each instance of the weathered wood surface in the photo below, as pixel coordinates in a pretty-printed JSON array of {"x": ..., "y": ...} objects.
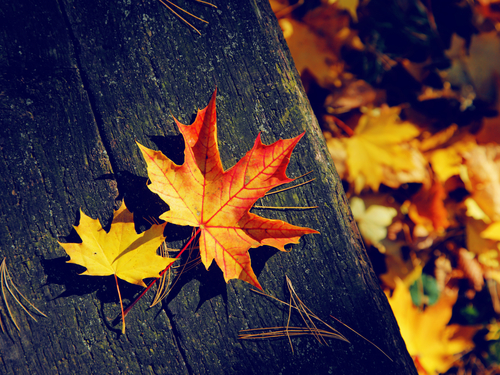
[{"x": 80, "y": 81}]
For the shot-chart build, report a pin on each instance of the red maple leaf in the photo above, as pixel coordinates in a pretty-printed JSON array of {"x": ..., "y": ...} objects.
[{"x": 201, "y": 194}]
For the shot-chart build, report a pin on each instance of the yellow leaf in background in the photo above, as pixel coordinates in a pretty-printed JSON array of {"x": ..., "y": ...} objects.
[
  {"x": 474, "y": 211},
  {"x": 446, "y": 162},
  {"x": 436, "y": 140},
  {"x": 372, "y": 222},
  {"x": 489, "y": 258},
  {"x": 420, "y": 173},
  {"x": 485, "y": 248},
  {"x": 122, "y": 252},
  {"x": 492, "y": 232},
  {"x": 494, "y": 331},
  {"x": 380, "y": 140},
  {"x": 350, "y": 5},
  {"x": 286, "y": 27},
  {"x": 432, "y": 343}
]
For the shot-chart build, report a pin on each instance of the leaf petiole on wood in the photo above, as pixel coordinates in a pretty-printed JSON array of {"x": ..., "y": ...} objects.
[
  {"x": 121, "y": 303},
  {"x": 127, "y": 310}
]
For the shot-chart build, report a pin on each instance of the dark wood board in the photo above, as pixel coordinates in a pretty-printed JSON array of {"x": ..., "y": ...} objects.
[{"x": 80, "y": 82}]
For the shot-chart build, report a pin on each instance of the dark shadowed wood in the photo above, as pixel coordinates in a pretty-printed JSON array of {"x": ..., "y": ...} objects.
[{"x": 80, "y": 82}]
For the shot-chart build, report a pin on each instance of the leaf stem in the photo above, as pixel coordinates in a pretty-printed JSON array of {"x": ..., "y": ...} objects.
[
  {"x": 121, "y": 303},
  {"x": 124, "y": 313}
]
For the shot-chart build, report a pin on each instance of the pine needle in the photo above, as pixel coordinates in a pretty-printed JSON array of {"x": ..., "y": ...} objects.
[
  {"x": 164, "y": 287},
  {"x": 363, "y": 337},
  {"x": 292, "y": 187},
  {"x": 166, "y": 2},
  {"x": 6, "y": 284},
  {"x": 307, "y": 316},
  {"x": 279, "y": 332},
  {"x": 206, "y": 3},
  {"x": 284, "y": 208},
  {"x": 285, "y": 189}
]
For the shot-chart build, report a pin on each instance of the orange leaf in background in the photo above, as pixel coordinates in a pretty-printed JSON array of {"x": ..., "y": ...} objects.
[
  {"x": 427, "y": 208},
  {"x": 432, "y": 343},
  {"x": 310, "y": 51},
  {"x": 201, "y": 194}
]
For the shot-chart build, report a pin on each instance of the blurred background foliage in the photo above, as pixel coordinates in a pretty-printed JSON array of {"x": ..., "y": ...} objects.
[{"x": 407, "y": 93}]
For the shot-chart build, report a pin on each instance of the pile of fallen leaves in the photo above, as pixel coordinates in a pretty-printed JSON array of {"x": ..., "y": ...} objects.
[{"x": 407, "y": 96}]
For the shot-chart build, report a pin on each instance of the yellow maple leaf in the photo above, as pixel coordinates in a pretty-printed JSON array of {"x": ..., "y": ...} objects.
[
  {"x": 432, "y": 343},
  {"x": 122, "y": 252},
  {"x": 380, "y": 142}
]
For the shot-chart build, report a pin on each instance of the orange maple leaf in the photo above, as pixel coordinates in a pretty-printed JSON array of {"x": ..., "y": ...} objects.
[
  {"x": 427, "y": 207},
  {"x": 201, "y": 194}
]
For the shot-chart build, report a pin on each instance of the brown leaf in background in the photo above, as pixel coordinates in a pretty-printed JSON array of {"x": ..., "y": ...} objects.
[
  {"x": 311, "y": 51},
  {"x": 471, "y": 268},
  {"x": 483, "y": 171}
]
